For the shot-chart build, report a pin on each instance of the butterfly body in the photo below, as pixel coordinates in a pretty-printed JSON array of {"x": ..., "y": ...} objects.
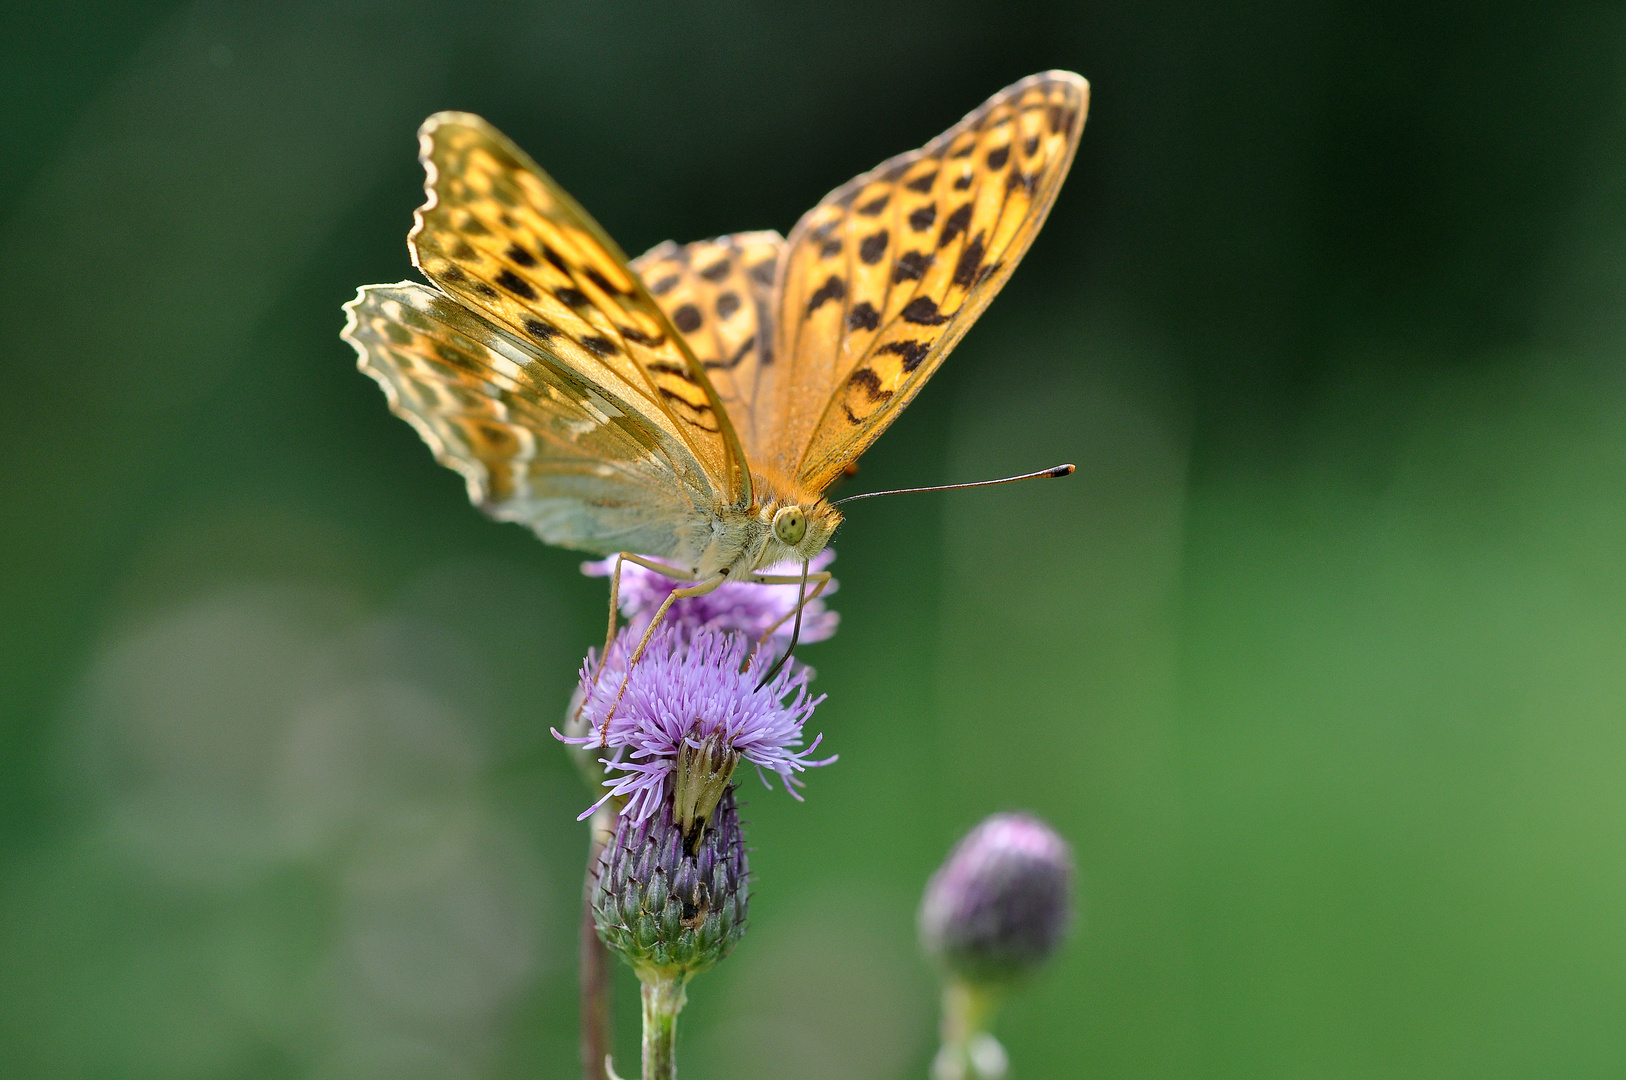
[
  {"x": 737, "y": 542},
  {"x": 693, "y": 405}
]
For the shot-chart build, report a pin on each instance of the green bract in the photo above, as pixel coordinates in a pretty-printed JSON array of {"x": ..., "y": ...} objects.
[{"x": 667, "y": 911}]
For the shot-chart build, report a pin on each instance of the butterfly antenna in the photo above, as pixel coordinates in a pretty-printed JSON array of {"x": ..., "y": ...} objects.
[
  {"x": 795, "y": 633},
  {"x": 1042, "y": 474}
]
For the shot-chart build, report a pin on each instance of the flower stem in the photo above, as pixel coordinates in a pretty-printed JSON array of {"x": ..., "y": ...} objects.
[
  {"x": 663, "y": 1000},
  {"x": 968, "y": 1051},
  {"x": 595, "y": 967}
]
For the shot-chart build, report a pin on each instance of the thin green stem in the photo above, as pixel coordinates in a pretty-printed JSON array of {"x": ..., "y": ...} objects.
[{"x": 663, "y": 999}]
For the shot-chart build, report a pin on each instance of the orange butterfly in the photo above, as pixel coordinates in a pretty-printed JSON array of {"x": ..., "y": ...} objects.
[{"x": 692, "y": 405}]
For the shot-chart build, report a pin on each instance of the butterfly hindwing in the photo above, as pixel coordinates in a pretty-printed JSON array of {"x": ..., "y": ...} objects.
[
  {"x": 885, "y": 275},
  {"x": 535, "y": 441},
  {"x": 719, "y": 295},
  {"x": 502, "y": 238}
]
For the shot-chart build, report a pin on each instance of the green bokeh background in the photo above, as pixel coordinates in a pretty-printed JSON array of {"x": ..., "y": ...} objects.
[{"x": 1319, "y": 661}]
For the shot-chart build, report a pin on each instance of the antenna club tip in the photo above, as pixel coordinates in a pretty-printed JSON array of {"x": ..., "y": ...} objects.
[{"x": 1054, "y": 471}]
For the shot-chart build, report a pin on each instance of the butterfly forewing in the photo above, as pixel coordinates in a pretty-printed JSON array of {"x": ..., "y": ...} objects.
[
  {"x": 535, "y": 441},
  {"x": 499, "y": 235},
  {"x": 882, "y": 278},
  {"x": 719, "y": 295}
]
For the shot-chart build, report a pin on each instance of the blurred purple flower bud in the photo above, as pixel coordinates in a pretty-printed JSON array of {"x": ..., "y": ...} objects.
[{"x": 1001, "y": 903}]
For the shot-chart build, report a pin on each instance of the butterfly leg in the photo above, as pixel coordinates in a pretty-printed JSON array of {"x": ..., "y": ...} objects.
[
  {"x": 621, "y": 558},
  {"x": 701, "y": 589},
  {"x": 615, "y": 603},
  {"x": 822, "y": 576}
]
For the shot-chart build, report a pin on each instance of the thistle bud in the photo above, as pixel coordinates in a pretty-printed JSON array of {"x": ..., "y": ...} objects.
[
  {"x": 1000, "y": 904},
  {"x": 669, "y": 911}
]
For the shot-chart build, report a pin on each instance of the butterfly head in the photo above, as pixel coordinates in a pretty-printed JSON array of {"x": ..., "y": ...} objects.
[{"x": 798, "y": 529}]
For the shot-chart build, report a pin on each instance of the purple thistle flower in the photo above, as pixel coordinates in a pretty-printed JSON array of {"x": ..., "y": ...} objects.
[
  {"x": 689, "y": 715},
  {"x": 737, "y": 605}
]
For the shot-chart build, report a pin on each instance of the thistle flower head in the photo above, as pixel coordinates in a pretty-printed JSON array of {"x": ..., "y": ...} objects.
[
  {"x": 738, "y": 605},
  {"x": 1000, "y": 904},
  {"x": 666, "y": 908},
  {"x": 690, "y": 713}
]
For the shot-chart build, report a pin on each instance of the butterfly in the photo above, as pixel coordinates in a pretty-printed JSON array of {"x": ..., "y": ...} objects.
[{"x": 688, "y": 409}]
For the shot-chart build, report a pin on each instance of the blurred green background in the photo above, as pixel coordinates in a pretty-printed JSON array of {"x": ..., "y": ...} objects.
[{"x": 1319, "y": 661}]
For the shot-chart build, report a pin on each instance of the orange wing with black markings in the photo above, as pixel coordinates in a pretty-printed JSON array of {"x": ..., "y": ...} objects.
[
  {"x": 885, "y": 275},
  {"x": 502, "y": 238},
  {"x": 719, "y": 295}
]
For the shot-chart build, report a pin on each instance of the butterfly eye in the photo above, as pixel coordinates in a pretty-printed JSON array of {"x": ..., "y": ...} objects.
[{"x": 790, "y": 525}]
